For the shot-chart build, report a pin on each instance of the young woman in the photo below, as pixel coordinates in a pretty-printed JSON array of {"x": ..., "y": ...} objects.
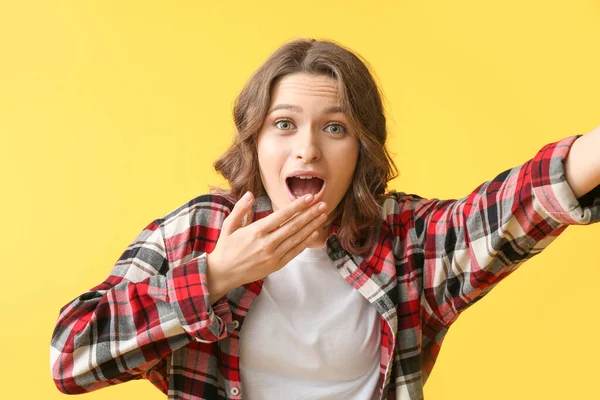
[{"x": 308, "y": 279}]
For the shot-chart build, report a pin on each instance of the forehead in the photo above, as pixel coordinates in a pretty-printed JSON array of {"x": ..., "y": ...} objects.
[{"x": 298, "y": 85}]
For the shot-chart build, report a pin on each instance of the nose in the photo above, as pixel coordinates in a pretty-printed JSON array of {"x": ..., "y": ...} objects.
[{"x": 307, "y": 146}]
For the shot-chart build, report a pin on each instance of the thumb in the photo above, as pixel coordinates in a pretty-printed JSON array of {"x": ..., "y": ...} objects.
[{"x": 234, "y": 221}]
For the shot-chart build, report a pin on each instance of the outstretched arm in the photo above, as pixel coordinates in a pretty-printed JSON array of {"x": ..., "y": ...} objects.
[
  {"x": 582, "y": 166},
  {"x": 463, "y": 248}
]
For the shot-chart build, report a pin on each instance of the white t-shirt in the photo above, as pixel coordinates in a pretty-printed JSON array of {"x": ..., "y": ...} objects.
[{"x": 310, "y": 335}]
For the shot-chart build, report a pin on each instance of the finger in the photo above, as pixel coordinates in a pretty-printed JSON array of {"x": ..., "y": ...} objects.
[
  {"x": 290, "y": 239},
  {"x": 248, "y": 218},
  {"x": 301, "y": 211},
  {"x": 298, "y": 244},
  {"x": 274, "y": 220},
  {"x": 296, "y": 224},
  {"x": 234, "y": 220}
]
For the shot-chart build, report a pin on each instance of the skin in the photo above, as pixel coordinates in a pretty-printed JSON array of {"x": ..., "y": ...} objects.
[
  {"x": 304, "y": 135},
  {"x": 307, "y": 136},
  {"x": 582, "y": 166}
]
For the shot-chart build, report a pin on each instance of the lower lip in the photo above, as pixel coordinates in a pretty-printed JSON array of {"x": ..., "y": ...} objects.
[{"x": 316, "y": 198}]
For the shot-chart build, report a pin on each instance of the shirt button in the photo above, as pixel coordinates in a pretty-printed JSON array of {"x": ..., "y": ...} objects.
[{"x": 234, "y": 391}]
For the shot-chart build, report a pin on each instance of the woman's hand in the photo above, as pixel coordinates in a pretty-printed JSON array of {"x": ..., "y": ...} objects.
[{"x": 246, "y": 254}]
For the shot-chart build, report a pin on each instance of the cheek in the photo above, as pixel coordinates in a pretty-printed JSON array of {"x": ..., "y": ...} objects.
[
  {"x": 347, "y": 161},
  {"x": 349, "y": 170},
  {"x": 269, "y": 161}
]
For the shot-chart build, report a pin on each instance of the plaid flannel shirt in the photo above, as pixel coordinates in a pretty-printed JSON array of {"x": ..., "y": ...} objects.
[{"x": 152, "y": 318}]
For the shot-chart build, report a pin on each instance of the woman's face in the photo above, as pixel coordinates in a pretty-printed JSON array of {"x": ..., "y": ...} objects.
[{"x": 305, "y": 131}]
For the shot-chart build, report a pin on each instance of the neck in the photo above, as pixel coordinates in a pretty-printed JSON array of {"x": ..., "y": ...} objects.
[{"x": 319, "y": 241}]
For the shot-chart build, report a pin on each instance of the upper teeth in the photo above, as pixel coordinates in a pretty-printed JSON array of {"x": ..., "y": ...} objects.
[{"x": 304, "y": 177}]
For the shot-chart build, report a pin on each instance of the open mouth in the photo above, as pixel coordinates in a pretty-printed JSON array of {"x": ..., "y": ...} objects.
[{"x": 298, "y": 187}]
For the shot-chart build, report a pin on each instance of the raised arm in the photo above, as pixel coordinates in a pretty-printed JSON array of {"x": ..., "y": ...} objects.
[
  {"x": 126, "y": 327},
  {"x": 463, "y": 248},
  {"x": 583, "y": 163}
]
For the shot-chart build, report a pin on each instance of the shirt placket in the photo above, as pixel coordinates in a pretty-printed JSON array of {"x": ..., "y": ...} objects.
[{"x": 371, "y": 291}]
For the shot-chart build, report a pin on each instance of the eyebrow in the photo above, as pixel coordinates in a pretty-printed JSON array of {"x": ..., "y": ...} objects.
[{"x": 299, "y": 110}]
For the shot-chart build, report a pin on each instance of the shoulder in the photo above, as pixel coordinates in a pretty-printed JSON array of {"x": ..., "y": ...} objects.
[
  {"x": 205, "y": 211},
  {"x": 404, "y": 212},
  {"x": 396, "y": 203}
]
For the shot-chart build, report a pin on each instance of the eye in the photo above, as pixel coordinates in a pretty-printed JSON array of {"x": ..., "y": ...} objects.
[
  {"x": 284, "y": 124},
  {"x": 336, "y": 128}
]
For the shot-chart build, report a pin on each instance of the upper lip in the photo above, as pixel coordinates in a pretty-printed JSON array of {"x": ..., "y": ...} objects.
[{"x": 305, "y": 173}]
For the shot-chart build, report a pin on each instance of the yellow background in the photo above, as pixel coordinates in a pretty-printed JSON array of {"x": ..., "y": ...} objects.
[{"x": 111, "y": 114}]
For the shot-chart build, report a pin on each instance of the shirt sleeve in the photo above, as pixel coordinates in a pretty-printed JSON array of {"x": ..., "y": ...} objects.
[
  {"x": 467, "y": 246},
  {"x": 126, "y": 327}
]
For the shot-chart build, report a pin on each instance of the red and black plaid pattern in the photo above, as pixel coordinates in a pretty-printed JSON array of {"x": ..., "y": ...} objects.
[{"x": 151, "y": 318}]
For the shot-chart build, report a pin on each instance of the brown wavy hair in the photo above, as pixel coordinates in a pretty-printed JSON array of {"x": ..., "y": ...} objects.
[{"x": 360, "y": 97}]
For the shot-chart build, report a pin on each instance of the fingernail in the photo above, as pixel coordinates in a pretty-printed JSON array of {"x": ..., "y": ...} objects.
[
  {"x": 247, "y": 196},
  {"x": 308, "y": 198}
]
